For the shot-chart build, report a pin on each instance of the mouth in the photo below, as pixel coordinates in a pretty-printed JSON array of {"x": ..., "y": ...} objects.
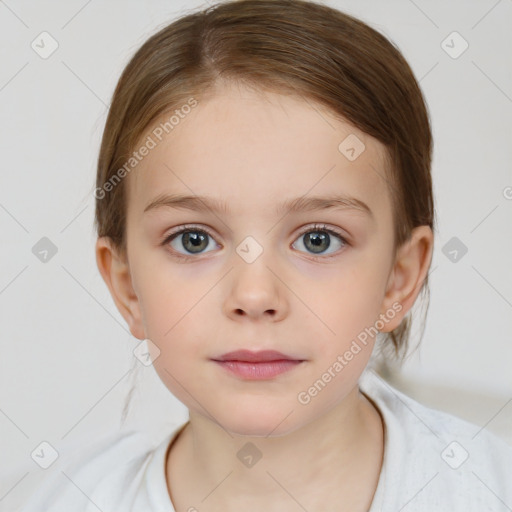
[
  {"x": 263, "y": 356},
  {"x": 263, "y": 365}
]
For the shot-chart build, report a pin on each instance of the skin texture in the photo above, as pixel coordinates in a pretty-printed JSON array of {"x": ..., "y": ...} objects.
[{"x": 255, "y": 150}]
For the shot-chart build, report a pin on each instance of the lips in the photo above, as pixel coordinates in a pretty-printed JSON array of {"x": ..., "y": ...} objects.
[{"x": 255, "y": 357}]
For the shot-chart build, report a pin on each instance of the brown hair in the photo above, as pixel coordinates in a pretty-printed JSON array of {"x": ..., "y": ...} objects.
[{"x": 296, "y": 47}]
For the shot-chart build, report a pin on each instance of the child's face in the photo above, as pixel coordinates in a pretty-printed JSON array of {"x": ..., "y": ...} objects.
[{"x": 254, "y": 153}]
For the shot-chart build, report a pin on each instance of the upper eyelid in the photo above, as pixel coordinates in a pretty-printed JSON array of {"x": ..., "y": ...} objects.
[{"x": 320, "y": 226}]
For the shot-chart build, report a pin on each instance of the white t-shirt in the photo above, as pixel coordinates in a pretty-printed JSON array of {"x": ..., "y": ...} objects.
[{"x": 433, "y": 461}]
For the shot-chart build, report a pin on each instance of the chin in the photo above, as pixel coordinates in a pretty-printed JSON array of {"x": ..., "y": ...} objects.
[{"x": 261, "y": 424}]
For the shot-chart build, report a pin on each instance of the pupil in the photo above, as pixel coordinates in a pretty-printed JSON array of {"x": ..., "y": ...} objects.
[
  {"x": 195, "y": 239},
  {"x": 316, "y": 240}
]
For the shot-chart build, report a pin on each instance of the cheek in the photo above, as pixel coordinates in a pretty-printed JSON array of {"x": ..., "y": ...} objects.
[
  {"x": 173, "y": 318},
  {"x": 170, "y": 307},
  {"x": 346, "y": 303}
]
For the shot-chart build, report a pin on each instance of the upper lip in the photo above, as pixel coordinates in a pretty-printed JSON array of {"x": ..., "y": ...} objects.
[{"x": 253, "y": 357}]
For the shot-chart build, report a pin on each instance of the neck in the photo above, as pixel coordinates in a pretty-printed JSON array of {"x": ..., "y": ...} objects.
[{"x": 338, "y": 455}]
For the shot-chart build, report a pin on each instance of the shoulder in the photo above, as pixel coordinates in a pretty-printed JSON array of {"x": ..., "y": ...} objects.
[
  {"x": 108, "y": 465},
  {"x": 433, "y": 458}
]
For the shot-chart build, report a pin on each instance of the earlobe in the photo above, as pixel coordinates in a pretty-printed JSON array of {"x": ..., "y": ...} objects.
[
  {"x": 115, "y": 271},
  {"x": 408, "y": 274}
]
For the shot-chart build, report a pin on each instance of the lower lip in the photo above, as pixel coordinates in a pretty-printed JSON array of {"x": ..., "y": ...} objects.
[{"x": 258, "y": 371}]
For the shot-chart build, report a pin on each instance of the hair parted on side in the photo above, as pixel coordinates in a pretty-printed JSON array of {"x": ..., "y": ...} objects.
[{"x": 294, "y": 47}]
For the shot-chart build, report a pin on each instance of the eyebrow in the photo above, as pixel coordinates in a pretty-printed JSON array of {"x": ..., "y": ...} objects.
[{"x": 299, "y": 204}]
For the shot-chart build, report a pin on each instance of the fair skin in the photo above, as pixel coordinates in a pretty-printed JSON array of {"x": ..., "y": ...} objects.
[{"x": 254, "y": 152}]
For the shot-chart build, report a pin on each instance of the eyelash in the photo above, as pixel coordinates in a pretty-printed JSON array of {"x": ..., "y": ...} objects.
[{"x": 315, "y": 227}]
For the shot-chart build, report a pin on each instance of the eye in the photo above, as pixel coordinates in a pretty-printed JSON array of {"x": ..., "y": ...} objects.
[
  {"x": 192, "y": 239},
  {"x": 318, "y": 238}
]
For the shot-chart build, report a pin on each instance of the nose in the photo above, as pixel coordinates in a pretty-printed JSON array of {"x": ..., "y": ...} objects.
[{"x": 255, "y": 292}]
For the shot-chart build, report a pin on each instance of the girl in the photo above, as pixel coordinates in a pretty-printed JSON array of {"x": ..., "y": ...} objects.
[{"x": 264, "y": 210}]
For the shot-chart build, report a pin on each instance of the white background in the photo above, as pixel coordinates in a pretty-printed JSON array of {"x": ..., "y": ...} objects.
[{"x": 66, "y": 352}]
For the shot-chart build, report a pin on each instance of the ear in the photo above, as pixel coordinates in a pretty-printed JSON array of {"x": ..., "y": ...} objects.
[
  {"x": 408, "y": 274},
  {"x": 115, "y": 271}
]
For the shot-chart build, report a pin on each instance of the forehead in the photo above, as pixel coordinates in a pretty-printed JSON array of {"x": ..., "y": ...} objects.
[{"x": 253, "y": 150}]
